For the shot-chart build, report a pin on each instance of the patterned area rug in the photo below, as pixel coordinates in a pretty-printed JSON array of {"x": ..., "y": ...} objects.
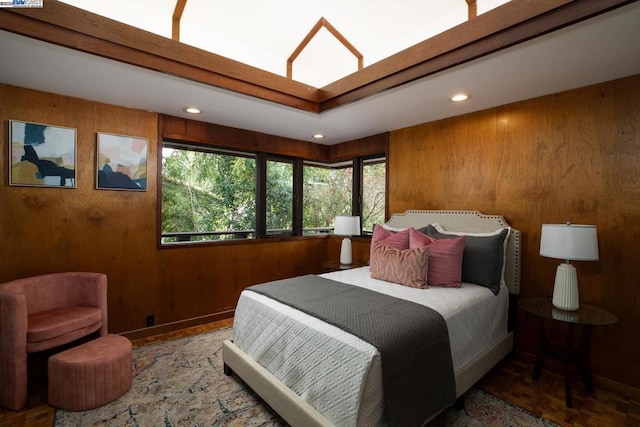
[{"x": 181, "y": 383}]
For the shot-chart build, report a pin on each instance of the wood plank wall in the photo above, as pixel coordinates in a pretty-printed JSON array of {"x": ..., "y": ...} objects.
[
  {"x": 207, "y": 280},
  {"x": 191, "y": 278},
  {"x": 44, "y": 230},
  {"x": 570, "y": 156},
  {"x": 573, "y": 156},
  {"x": 176, "y": 128}
]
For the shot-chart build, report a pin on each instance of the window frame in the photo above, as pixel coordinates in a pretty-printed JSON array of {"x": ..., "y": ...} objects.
[
  {"x": 372, "y": 160},
  {"x": 201, "y": 148},
  {"x": 261, "y": 159},
  {"x": 292, "y": 161},
  {"x": 342, "y": 164}
]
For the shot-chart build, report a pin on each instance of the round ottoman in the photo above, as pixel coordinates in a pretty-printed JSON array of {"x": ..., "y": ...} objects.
[{"x": 90, "y": 375}]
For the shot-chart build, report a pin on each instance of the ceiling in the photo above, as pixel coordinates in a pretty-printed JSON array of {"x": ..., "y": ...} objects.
[
  {"x": 600, "y": 49},
  {"x": 265, "y": 34}
]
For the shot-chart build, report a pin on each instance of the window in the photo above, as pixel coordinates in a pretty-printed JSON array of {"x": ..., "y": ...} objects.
[
  {"x": 279, "y": 209},
  {"x": 373, "y": 193},
  {"x": 214, "y": 194},
  {"x": 327, "y": 192},
  {"x": 207, "y": 194}
]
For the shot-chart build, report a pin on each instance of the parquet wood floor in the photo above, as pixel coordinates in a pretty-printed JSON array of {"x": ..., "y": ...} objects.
[{"x": 510, "y": 380}]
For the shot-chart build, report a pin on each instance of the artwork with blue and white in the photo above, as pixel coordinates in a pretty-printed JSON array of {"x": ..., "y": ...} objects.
[
  {"x": 121, "y": 162},
  {"x": 42, "y": 155}
]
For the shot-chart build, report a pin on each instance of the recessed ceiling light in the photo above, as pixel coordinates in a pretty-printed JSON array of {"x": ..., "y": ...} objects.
[
  {"x": 460, "y": 97},
  {"x": 318, "y": 136},
  {"x": 192, "y": 110}
]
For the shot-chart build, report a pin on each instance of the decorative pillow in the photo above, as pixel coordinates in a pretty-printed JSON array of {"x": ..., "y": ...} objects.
[
  {"x": 441, "y": 229},
  {"x": 398, "y": 240},
  {"x": 484, "y": 256},
  {"x": 445, "y": 258},
  {"x": 407, "y": 267}
]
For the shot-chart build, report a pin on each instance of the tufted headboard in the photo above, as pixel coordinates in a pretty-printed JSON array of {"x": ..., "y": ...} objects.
[{"x": 472, "y": 222}]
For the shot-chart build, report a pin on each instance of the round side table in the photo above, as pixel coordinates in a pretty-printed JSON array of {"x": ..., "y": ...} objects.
[
  {"x": 586, "y": 316},
  {"x": 334, "y": 265}
]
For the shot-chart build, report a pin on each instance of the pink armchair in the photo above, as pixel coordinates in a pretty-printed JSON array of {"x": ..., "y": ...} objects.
[{"x": 42, "y": 312}]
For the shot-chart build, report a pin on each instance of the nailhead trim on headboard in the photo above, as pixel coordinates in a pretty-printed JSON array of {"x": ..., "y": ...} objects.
[{"x": 470, "y": 221}]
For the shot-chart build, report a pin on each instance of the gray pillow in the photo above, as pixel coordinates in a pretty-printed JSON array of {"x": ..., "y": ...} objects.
[{"x": 482, "y": 259}]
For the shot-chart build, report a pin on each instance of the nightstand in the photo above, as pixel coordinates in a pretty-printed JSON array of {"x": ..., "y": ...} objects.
[
  {"x": 334, "y": 265},
  {"x": 586, "y": 316}
]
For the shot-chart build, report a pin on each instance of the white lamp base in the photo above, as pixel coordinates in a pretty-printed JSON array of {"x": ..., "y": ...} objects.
[
  {"x": 565, "y": 289},
  {"x": 345, "y": 252}
]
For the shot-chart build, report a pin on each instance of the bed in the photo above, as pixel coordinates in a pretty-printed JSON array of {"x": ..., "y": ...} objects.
[{"x": 313, "y": 373}]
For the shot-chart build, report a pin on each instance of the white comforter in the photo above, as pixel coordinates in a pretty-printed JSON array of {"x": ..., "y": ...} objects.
[{"x": 338, "y": 373}]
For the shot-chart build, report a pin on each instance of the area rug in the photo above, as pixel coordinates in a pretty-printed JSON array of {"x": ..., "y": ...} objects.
[{"x": 181, "y": 383}]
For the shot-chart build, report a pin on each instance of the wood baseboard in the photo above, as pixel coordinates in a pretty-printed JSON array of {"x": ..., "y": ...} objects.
[
  {"x": 180, "y": 324},
  {"x": 557, "y": 367}
]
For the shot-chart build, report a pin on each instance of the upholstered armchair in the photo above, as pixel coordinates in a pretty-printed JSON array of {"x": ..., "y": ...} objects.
[{"x": 43, "y": 312}]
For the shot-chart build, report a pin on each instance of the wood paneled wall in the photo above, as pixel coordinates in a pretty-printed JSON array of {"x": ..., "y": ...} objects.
[
  {"x": 573, "y": 156},
  {"x": 211, "y": 134},
  {"x": 198, "y": 281},
  {"x": 570, "y": 156},
  {"x": 180, "y": 129},
  {"x": 44, "y": 230}
]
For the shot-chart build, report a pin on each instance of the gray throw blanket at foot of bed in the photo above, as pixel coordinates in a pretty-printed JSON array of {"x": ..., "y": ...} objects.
[{"x": 412, "y": 339}]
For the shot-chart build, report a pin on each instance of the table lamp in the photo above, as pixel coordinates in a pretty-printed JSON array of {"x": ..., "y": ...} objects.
[
  {"x": 570, "y": 242},
  {"x": 346, "y": 226}
]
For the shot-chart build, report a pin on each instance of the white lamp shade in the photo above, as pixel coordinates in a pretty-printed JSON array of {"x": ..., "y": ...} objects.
[
  {"x": 347, "y": 225},
  {"x": 569, "y": 242}
]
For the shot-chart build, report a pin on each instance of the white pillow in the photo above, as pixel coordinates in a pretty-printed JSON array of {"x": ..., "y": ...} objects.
[
  {"x": 441, "y": 229},
  {"x": 394, "y": 229}
]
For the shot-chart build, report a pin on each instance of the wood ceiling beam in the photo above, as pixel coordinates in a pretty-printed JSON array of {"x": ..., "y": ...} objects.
[
  {"x": 68, "y": 26},
  {"x": 176, "y": 18},
  {"x": 322, "y": 22},
  {"x": 473, "y": 9},
  {"x": 505, "y": 26}
]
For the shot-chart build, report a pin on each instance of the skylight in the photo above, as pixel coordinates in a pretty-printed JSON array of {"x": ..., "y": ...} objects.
[{"x": 264, "y": 34}]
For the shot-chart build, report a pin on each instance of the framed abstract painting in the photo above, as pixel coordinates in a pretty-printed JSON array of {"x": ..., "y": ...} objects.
[
  {"x": 121, "y": 162},
  {"x": 42, "y": 155}
]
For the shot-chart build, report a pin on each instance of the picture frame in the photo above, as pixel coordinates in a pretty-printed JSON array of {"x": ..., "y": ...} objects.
[
  {"x": 121, "y": 162},
  {"x": 42, "y": 155}
]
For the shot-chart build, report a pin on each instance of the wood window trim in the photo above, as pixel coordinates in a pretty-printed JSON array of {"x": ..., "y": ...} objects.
[{"x": 262, "y": 159}]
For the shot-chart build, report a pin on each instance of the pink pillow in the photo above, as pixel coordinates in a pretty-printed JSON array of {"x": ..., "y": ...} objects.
[
  {"x": 398, "y": 240},
  {"x": 445, "y": 258},
  {"x": 407, "y": 267}
]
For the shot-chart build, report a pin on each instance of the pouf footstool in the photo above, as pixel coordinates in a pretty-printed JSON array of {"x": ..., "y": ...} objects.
[{"x": 90, "y": 375}]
